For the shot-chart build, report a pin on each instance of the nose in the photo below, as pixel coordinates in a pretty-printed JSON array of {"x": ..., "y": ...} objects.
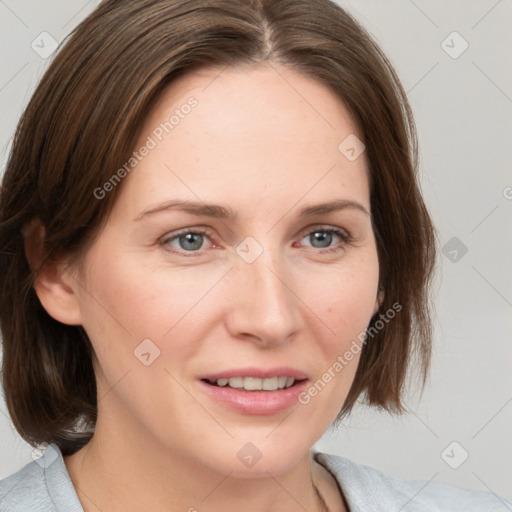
[{"x": 263, "y": 306}]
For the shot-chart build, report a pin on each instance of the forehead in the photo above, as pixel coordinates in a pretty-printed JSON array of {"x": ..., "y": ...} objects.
[
  {"x": 253, "y": 132},
  {"x": 253, "y": 99}
]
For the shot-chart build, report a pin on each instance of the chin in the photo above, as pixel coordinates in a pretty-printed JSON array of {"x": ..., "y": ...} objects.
[{"x": 255, "y": 456}]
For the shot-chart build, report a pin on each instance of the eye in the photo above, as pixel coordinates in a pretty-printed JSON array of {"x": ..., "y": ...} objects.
[
  {"x": 189, "y": 241},
  {"x": 192, "y": 242},
  {"x": 327, "y": 238}
]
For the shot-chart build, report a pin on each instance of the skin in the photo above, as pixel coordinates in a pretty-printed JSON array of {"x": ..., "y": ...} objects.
[{"x": 263, "y": 140}]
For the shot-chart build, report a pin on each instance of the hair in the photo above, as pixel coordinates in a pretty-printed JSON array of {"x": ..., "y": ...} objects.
[{"x": 83, "y": 121}]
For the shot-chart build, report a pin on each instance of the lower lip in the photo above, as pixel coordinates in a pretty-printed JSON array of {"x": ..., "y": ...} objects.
[{"x": 257, "y": 403}]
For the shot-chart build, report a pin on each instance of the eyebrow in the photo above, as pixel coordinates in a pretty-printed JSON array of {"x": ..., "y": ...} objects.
[{"x": 225, "y": 212}]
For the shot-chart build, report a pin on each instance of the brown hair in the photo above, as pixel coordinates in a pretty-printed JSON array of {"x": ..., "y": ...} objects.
[{"x": 83, "y": 121}]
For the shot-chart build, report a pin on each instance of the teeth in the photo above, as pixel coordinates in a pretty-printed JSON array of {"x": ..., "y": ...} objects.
[
  {"x": 257, "y": 384},
  {"x": 236, "y": 382},
  {"x": 253, "y": 384},
  {"x": 270, "y": 384},
  {"x": 281, "y": 381}
]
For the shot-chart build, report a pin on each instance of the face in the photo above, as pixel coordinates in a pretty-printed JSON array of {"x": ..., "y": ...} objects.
[{"x": 218, "y": 263}]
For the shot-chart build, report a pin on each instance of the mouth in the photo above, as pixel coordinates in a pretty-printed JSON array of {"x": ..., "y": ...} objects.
[
  {"x": 255, "y": 383},
  {"x": 253, "y": 391}
]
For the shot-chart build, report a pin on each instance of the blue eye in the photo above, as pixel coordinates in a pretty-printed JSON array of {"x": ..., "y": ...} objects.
[
  {"x": 187, "y": 241},
  {"x": 194, "y": 242},
  {"x": 191, "y": 241},
  {"x": 324, "y": 238}
]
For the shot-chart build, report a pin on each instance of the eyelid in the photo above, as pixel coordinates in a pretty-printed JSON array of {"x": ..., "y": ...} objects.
[
  {"x": 176, "y": 234},
  {"x": 326, "y": 228},
  {"x": 345, "y": 236}
]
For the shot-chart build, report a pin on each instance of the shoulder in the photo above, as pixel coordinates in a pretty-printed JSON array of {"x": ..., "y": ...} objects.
[
  {"x": 24, "y": 490},
  {"x": 42, "y": 485},
  {"x": 366, "y": 488}
]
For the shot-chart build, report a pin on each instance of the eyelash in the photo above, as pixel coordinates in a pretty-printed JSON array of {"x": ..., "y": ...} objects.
[{"x": 345, "y": 237}]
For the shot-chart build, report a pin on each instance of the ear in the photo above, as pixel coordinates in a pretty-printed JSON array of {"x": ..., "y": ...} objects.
[
  {"x": 54, "y": 285},
  {"x": 379, "y": 300}
]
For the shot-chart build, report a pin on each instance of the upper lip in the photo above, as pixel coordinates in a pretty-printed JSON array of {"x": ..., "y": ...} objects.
[{"x": 262, "y": 373}]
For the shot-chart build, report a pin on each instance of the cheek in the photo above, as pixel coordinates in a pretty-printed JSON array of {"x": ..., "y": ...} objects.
[
  {"x": 125, "y": 297},
  {"x": 344, "y": 297},
  {"x": 143, "y": 299},
  {"x": 126, "y": 301},
  {"x": 344, "y": 301}
]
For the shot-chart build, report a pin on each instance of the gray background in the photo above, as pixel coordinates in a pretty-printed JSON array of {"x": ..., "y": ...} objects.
[{"x": 463, "y": 110}]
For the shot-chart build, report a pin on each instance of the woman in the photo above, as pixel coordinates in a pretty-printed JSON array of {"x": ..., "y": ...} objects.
[{"x": 213, "y": 245}]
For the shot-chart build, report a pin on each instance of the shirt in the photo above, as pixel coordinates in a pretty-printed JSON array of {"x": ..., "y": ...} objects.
[{"x": 44, "y": 485}]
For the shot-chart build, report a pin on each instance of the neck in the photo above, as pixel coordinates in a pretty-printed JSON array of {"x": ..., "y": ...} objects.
[{"x": 126, "y": 470}]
